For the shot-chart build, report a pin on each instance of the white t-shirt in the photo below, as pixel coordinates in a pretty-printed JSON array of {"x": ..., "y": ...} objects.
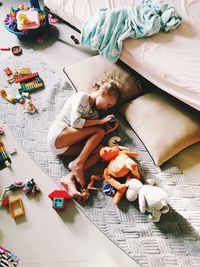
[{"x": 77, "y": 109}]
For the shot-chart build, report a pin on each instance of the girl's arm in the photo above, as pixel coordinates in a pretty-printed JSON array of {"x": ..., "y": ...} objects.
[{"x": 89, "y": 123}]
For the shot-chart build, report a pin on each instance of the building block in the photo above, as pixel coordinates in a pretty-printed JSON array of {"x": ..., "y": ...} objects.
[
  {"x": 59, "y": 198},
  {"x": 26, "y": 77},
  {"x": 16, "y": 208},
  {"x": 29, "y": 87},
  {"x": 8, "y": 71}
]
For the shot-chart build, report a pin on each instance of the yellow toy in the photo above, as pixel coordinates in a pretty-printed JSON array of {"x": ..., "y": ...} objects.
[
  {"x": 121, "y": 164},
  {"x": 7, "y": 97}
]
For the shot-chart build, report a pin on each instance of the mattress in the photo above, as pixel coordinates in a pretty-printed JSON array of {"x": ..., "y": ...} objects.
[{"x": 170, "y": 60}]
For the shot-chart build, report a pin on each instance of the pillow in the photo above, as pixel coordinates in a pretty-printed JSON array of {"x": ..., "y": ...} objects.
[
  {"x": 85, "y": 73},
  {"x": 164, "y": 124}
]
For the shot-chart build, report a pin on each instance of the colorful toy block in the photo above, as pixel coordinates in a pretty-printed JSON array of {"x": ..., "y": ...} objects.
[
  {"x": 59, "y": 198},
  {"x": 26, "y": 77},
  {"x": 16, "y": 208},
  {"x": 36, "y": 84},
  {"x": 8, "y": 71}
]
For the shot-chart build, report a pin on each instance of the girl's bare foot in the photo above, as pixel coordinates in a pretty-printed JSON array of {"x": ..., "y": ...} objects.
[
  {"x": 68, "y": 182},
  {"x": 77, "y": 170}
]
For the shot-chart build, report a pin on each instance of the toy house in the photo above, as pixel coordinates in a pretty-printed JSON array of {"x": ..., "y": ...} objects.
[{"x": 59, "y": 198}]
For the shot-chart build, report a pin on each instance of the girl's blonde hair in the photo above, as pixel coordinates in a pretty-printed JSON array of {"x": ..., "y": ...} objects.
[{"x": 111, "y": 83}]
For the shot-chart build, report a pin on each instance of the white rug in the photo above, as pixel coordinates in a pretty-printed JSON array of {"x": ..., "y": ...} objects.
[{"x": 174, "y": 241}]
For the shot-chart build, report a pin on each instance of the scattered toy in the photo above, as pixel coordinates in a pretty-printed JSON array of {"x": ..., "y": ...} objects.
[
  {"x": 114, "y": 140},
  {"x": 8, "y": 71},
  {"x": 12, "y": 151},
  {"x": 5, "y": 49},
  {"x": 16, "y": 208},
  {"x": 5, "y": 160},
  {"x": 16, "y": 50},
  {"x": 31, "y": 187},
  {"x": 30, "y": 107},
  {"x": 10, "y": 98},
  {"x": 52, "y": 20},
  {"x": 59, "y": 198}
]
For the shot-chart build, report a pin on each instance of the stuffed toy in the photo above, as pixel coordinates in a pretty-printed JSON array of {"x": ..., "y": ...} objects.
[
  {"x": 120, "y": 164},
  {"x": 152, "y": 199}
]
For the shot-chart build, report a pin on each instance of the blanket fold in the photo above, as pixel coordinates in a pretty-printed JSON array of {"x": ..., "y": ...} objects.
[{"x": 107, "y": 29}]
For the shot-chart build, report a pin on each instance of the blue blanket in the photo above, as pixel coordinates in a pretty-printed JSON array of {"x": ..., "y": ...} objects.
[{"x": 107, "y": 29}]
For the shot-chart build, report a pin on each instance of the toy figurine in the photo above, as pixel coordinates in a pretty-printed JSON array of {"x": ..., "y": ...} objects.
[
  {"x": 31, "y": 187},
  {"x": 30, "y": 107}
]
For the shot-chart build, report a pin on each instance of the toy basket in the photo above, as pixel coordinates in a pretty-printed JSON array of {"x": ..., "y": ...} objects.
[{"x": 11, "y": 25}]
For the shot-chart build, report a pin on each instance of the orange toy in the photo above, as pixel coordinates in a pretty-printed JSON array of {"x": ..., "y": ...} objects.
[{"x": 120, "y": 165}]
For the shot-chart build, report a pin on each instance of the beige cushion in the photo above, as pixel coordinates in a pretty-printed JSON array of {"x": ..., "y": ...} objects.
[
  {"x": 84, "y": 73},
  {"x": 164, "y": 124}
]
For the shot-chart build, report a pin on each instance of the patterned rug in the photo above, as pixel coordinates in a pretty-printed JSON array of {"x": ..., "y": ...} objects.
[{"x": 174, "y": 241}]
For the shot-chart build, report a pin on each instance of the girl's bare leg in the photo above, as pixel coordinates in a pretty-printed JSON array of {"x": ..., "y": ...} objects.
[
  {"x": 77, "y": 165},
  {"x": 68, "y": 181},
  {"x": 92, "y": 136}
]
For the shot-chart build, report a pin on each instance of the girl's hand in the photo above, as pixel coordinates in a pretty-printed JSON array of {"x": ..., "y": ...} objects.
[
  {"x": 106, "y": 119},
  {"x": 112, "y": 129}
]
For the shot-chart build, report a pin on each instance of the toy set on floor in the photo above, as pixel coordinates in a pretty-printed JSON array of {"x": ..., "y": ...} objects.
[
  {"x": 15, "y": 204},
  {"x": 27, "y": 82}
]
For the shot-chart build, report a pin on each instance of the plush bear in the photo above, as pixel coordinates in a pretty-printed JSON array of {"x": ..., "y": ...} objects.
[{"x": 152, "y": 199}]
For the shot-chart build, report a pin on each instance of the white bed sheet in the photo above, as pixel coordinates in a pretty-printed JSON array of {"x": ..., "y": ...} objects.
[{"x": 169, "y": 60}]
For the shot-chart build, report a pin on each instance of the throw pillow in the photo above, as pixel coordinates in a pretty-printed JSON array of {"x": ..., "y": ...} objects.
[{"x": 164, "y": 124}]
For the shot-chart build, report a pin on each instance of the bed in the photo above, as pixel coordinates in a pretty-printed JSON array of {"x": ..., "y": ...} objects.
[{"x": 171, "y": 60}]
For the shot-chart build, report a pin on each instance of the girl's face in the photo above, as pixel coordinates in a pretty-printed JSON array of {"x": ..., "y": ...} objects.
[{"x": 105, "y": 101}]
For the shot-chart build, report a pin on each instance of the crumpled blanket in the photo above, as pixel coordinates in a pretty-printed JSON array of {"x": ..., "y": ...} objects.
[{"x": 107, "y": 29}]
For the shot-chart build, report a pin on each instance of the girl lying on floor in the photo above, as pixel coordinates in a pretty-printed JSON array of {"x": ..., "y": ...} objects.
[{"x": 78, "y": 130}]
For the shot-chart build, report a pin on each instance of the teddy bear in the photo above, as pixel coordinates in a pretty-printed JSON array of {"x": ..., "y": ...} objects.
[
  {"x": 120, "y": 164},
  {"x": 152, "y": 199}
]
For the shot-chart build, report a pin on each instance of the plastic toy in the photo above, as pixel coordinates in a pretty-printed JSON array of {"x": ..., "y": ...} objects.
[
  {"x": 24, "y": 71},
  {"x": 8, "y": 71},
  {"x": 16, "y": 208},
  {"x": 5, "y": 160},
  {"x": 59, "y": 198},
  {"x": 27, "y": 19},
  {"x": 16, "y": 50},
  {"x": 5, "y": 48},
  {"x": 10, "y": 98},
  {"x": 30, "y": 107},
  {"x": 152, "y": 199},
  {"x": 26, "y": 77},
  {"x": 120, "y": 164},
  {"x": 114, "y": 140},
  {"x": 29, "y": 87},
  {"x": 109, "y": 190},
  {"x": 31, "y": 187}
]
